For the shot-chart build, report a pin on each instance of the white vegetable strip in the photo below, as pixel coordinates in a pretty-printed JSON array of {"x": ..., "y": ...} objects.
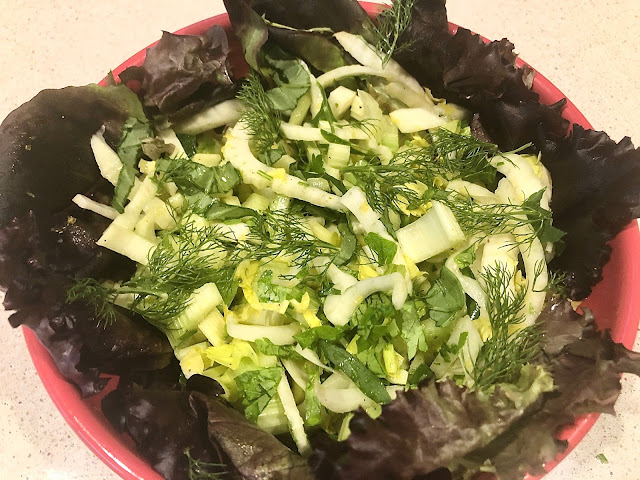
[
  {"x": 298, "y": 374},
  {"x": 101, "y": 209},
  {"x": 433, "y": 233},
  {"x": 224, "y": 113},
  {"x": 356, "y": 202},
  {"x": 312, "y": 134},
  {"x": 522, "y": 176},
  {"x": 468, "y": 189},
  {"x": 534, "y": 259},
  {"x": 144, "y": 194},
  {"x": 126, "y": 242},
  {"x": 470, "y": 285},
  {"x": 341, "y": 280},
  {"x": 339, "y": 308},
  {"x": 339, "y": 394},
  {"x": 411, "y": 120},
  {"x": 169, "y": 137},
  {"x": 108, "y": 161},
  {"x": 366, "y": 54},
  {"x": 253, "y": 171},
  {"x": 296, "y": 424},
  {"x": 312, "y": 357},
  {"x": 408, "y": 96},
  {"x": 327, "y": 79},
  {"x": 279, "y": 334},
  {"x": 315, "y": 91}
]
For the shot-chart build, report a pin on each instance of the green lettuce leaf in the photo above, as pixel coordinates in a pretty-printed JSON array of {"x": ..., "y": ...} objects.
[
  {"x": 192, "y": 177},
  {"x": 266, "y": 346}
]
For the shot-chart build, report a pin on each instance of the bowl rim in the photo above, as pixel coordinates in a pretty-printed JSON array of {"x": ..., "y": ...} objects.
[{"x": 87, "y": 422}]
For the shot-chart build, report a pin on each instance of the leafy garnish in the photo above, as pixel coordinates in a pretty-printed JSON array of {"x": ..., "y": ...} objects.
[
  {"x": 96, "y": 294},
  {"x": 510, "y": 346},
  {"x": 498, "y": 218},
  {"x": 261, "y": 117},
  {"x": 392, "y": 23},
  {"x": 366, "y": 381},
  {"x": 449, "y": 155},
  {"x": 445, "y": 298},
  {"x": 129, "y": 151},
  {"x": 313, "y": 408},
  {"x": 290, "y": 77},
  {"x": 192, "y": 177},
  {"x": 324, "y": 332},
  {"x": 266, "y": 346},
  {"x": 385, "y": 250},
  {"x": 258, "y": 387}
]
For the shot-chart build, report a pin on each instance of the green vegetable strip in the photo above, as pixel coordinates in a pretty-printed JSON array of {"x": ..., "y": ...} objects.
[
  {"x": 129, "y": 151},
  {"x": 364, "y": 379}
]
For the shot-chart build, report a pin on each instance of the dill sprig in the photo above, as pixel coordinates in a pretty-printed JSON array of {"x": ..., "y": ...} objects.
[
  {"x": 94, "y": 293},
  {"x": 392, "y": 23},
  {"x": 201, "y": 470},
  {"x": 500, "y": 218},
  {"x": 179, "y": 265},
  {"x": 261, "y": 117},
  {"x": 503, "y": 355},
  {"x": 449, "y": 155},
  {"x": 193, "y": 255},
  {"x": 282, "y": 233}
]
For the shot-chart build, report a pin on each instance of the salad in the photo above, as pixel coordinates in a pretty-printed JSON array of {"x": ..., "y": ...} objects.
[{"x": 341, "y": 252}]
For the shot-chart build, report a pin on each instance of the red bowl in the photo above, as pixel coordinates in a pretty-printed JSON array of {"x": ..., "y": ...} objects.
[{"x": 613, "y": 301}]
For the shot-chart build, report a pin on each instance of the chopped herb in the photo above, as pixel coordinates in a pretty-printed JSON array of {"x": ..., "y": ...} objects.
[
  {"x": 391, "y": 25},
  {"x": 261, "y": 117},
  {"x": 503, "y": 355},
  {"x": 257, "y": 388}
]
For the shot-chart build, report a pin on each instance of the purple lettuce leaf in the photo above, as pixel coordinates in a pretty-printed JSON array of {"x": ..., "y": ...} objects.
[
  {"x": 337, "y": 15},
  {"x": 420, "y": 432},
  {"x": 184, "y": 73},
  {"x": 36, "y": 270},
  {"x": 167, "y": 420},
  {"x": 46, "y": 241},
  {"x": 318, "y": 49},
  {"x": 596, "y": 193},
  {"x": 45, "y": 149}
]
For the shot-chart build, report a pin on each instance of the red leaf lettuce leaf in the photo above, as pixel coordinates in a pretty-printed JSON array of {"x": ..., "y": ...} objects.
[
  {"x": 45, "y": 152},
  {"x": 184, "y": 73},
  {"x": 165, "y": 423},
  {"x": 316, "y": 48},
  {"x": 596, "y": 192},
  {"x": 36, "y": 269},
  {"x": 46, "y": 160}
]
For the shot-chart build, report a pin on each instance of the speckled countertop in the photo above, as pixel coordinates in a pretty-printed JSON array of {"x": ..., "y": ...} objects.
[{"x": 587, "y": 48}]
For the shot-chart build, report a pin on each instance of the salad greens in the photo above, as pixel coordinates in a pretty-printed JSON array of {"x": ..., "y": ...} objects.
[
  {"x": 253, "y": 287},
  {"x": 333, "y": 257}
]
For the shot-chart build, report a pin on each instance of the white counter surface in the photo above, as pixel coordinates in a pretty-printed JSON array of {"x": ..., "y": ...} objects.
[{"x": 589, "y": 49}]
